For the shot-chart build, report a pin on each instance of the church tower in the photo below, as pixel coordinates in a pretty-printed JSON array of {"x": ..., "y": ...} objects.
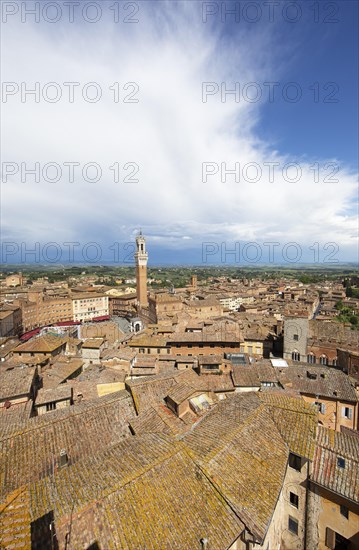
[{"x": 141, "y": 258}]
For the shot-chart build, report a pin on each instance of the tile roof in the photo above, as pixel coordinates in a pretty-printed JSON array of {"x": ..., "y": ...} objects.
[
  {"x": 93, "y": 343},
  {"x": 60, "y": 371},
  {"x": 16, "y": 414},
  {"x": 332, "y": 445},
  {"x": 204, "y": 337},
  {"x": 29, "y": 450},
  {"x": 329, "y": 382},
  {"x": 223, "y": 420},
  {"x": 210, "y": 359},
  {"x": 41, "y": 344},
  {"x": 249, "y": 449},
  {"x": 295, "y": 419},
  {"x": 149, "y": 391},
  {"x": 63, "y": 391},
  {"x": 180, "y": 392},
  {"x": 208, "y": 382},
  {"x": 146, "y": 340},
  {"x": 245, "y": 376},
  {"x": 142, "y": 493},
  {"x": 255, "y": 430},
  {"x": 16, "y": 382},
  {"x": 15, "y": 529}
]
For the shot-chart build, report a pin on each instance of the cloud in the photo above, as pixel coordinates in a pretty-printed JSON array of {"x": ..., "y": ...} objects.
[{"x": 169, "y": 133}]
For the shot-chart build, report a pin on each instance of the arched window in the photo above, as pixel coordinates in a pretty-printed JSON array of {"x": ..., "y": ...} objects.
[
  {"x": 335, "y": 362},
  {"x": 311, "y": 358},
  {"x": 295, "y": 355},
  {"x": 323, "y": 360}
]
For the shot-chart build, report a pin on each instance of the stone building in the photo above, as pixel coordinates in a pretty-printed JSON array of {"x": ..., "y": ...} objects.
[
  {"x": 163, "y": 306},
  {"x": 53, "y": 399},
  {"x": 317, "y": 341},
  {"x": 333, "y": 504},
  {"x": 40, "y": 310},
  {"x": 330, "y": 390},
  {"x": 15, "y": 279}
]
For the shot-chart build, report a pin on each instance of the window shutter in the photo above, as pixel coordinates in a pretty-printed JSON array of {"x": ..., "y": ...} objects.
[
  {"x": 330, "y": 538},
  {"x": 343, "y": 412},
  {"x": 350, "y": 414}
]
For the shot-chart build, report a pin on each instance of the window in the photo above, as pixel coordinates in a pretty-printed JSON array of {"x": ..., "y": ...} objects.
[
  {"x": 347, "y": 412},
  {"x": 293, "y": 525},
  {"x": 295, "y": 356},
  {"x": 341, "y": 462},
  {"x": 335, "y": 362},
  {"x": 295, "y": 337},
  {"x": 311, "y": 359},
  {"x": 320, "y": 407},
  {"x": 334, "y": 540},
  {"x": 344, "y": 511},
  {"x": 330, "y": 538},
  {"x": 293, "y": 499},
  {"x": 324, "y": 360},
  {"x": 295, "y": 462}
]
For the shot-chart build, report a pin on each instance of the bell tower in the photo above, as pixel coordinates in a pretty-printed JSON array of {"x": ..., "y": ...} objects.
[{"x": 141, "y": 258}]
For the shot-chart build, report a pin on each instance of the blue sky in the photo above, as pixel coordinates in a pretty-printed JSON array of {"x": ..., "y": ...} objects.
[
  {"x": 172, "y": 142},
  {"x": 323, "y": 53}
]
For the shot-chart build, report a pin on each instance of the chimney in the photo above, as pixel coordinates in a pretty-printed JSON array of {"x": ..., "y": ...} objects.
[
  {"x": 64, "y": 459},
  {"x": 204, "y": 543}
]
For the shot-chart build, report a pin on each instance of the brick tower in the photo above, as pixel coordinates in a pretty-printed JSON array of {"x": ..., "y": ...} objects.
[{"x": 141, "y": 258}]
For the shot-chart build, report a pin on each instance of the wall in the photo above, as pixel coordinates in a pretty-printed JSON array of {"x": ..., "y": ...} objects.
[
  {"x": 41, "y": 409},
  {"x": 333, "y": 417},
  {"x": 85, "y": 308},
  {"x": 329, "y": 516},
  {"x": 295, "y": 326}
]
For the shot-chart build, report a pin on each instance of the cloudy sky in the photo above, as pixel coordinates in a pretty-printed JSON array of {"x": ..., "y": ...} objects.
[{"x": 131, "y": 125}]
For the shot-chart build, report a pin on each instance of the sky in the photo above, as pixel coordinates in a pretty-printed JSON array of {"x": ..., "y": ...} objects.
[{"x": 132, "y": 124}]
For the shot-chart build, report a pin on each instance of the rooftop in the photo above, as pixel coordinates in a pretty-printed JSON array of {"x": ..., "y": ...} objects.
[
  {"x": 41, "y": 344},
  {"x": 16, "y": 382},
  {"x": 321, "y": 381},
  {"x": 341, "y": 477}
]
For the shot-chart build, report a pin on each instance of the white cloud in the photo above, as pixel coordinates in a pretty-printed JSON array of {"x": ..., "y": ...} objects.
[{"x": 169, "y": 133}]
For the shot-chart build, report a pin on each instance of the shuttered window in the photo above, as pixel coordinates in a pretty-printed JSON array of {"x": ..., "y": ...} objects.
[{"x": 330, "y": 538}]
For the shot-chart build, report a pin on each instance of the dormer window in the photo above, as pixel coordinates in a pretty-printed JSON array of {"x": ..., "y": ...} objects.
[{"x": 341, "y": 462}]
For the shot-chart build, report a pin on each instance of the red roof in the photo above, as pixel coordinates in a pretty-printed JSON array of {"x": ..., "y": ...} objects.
[
  {"x": 101, "y": 318},
  {"x": 66, "y": 323},
  {"x": 27, "y": 335}
]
